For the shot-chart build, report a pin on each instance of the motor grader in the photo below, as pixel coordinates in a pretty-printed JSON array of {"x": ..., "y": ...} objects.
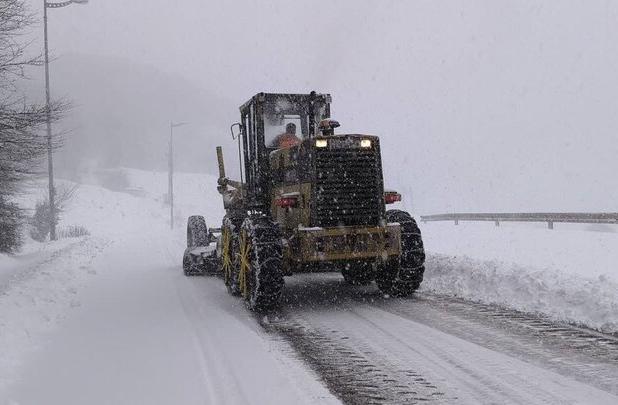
[{"x": 311, "y": 205}]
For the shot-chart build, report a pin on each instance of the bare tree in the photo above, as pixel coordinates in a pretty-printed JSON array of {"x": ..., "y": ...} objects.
[{"x": 21, "y": 145}]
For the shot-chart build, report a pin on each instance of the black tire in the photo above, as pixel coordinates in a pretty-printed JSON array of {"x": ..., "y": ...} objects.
[
  {"x": 260, "y": 261},
  {"x": 189, "y": 267},
  {"x": 403, "y": 276},
  {"x": 197, "y": 236},
  {"x": 230, "y": 230},
  {"x": 358, "y": 273},
  {"x": 197, "y": 232}
]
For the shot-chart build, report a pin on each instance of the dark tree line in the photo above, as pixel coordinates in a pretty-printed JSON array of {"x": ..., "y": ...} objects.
[{"x": 23, "y": 144}]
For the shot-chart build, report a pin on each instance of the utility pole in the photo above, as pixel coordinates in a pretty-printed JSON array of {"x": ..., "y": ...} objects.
[
  {"x": 50, "y": 162},
  {"x": 170, "y": 177}
]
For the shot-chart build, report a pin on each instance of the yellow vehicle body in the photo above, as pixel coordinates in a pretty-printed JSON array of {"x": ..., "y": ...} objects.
[{"x": 310, "y": 245}]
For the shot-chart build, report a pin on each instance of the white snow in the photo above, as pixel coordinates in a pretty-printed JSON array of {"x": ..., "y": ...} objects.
[
  {"x": 471, "y": 374},
  {"x": 110, "y": 318},
  {"x": 309, "y": 228},
  {"x": 569, "y": 273}
]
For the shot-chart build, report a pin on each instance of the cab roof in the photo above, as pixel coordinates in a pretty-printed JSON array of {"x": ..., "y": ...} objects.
[{"x": 292, "y": 97}]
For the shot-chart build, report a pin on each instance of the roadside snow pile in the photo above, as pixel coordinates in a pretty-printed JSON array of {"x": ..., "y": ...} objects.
[
  {"x": 43, "y": 282},
  {"x": 35, "y": 299},
  {"x": 565, "y": 297},
  {"x": 570, "y": 274},
  {"x": 31, "y": 254}
]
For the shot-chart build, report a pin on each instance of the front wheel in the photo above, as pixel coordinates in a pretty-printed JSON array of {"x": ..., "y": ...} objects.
[
  {"x": 260, "y": 263},
  {"x": 194, "y": 261},
  {"x": 189, "y": 267},
  {"x": 197, "y": 232},
  {"x": 403, "y": 276}
]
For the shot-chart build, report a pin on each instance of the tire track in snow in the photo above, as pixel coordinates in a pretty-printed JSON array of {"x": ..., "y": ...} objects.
[
  {"x": 220, "y": 380},
  {"x": 353, "y": 372},
  {"x": 586, "y": 355},
  {"x": 374, "y": 350}
]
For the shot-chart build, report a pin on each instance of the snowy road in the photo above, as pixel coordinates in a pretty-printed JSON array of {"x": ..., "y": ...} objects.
[
  {"x": 142, "y": 333},
  {"x": 110, "y": 319},
  {"x": 429, "y": 348}
]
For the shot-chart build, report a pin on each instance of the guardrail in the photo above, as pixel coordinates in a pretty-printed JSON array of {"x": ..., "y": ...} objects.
[{"x": 550, "y": 218}]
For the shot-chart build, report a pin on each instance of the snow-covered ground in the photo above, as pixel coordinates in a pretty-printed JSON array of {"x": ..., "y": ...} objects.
[
  {"x": 569, "y": 273},
  {"x": 110, "y": 318}
]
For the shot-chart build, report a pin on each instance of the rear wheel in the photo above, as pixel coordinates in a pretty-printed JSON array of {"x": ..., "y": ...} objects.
[
  {"x": 403, "y": 276},
  {"x": 260, "y": 263}
]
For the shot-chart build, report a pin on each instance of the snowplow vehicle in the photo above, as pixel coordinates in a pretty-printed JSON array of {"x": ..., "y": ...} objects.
[{"x": 308, "y": 200}]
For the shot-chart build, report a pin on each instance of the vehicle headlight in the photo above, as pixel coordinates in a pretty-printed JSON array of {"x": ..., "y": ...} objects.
[
  {"x": 365, "y": 143},
  {"x": 321, "y": 143}
]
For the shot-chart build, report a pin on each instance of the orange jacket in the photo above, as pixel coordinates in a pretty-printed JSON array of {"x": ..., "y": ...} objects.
[{"x": 285, "y": 140}]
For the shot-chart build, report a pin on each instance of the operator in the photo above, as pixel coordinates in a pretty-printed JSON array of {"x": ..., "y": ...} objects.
[{"x": 286, "y": 139}]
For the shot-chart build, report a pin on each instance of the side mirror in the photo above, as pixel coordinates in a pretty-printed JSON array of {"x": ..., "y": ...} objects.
[{"x": 236, "y": 135}]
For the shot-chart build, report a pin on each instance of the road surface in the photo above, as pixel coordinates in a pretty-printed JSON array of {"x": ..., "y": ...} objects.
[
  {"x": 110, "y": 319},
  {"x": 370, "y": 349}
]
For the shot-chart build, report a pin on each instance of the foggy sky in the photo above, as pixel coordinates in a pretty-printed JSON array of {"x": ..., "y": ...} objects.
[{"x": 481, "y": 106}]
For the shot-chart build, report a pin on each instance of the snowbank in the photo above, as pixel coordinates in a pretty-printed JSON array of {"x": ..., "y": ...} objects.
[
  {"x": 569, "y": 273},
  {"x": 40, "y": 285},
  {"x": 32, "y": 254},
  {"x": 37, "y": 295}
]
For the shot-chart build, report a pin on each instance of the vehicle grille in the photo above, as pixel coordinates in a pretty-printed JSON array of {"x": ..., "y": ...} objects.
[{"x": 348, "y": 187}]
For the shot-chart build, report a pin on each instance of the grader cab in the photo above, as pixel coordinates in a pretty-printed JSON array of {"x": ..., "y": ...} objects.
[{"x": 308, "y": 200}]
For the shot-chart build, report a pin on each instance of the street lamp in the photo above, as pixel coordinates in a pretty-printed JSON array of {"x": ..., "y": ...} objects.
[
  {"x": 171, "y": 170},
  {"x": 50, "y": 163}
]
